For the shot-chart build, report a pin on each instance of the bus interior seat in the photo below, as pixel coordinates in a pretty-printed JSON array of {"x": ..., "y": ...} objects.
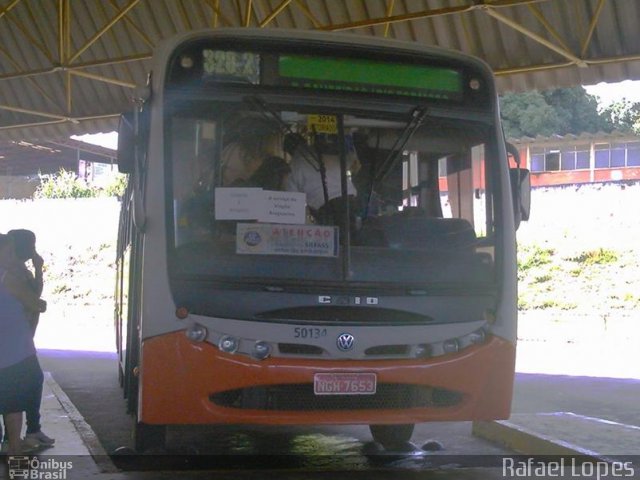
[{"x": 423, "y": 232}]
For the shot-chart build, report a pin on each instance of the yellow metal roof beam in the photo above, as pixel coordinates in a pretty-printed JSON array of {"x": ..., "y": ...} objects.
[
  {"x": 398, "y": 18},
  {"x": 117, "y": 40},
  {"x": 185, "y": 16},
  {"x": 135, "y": 27},
  {"x": 387, "y": 26},
  {"x": 247, "y": 15},
  {"x": 30, "y": 37},
  {"x": 75, "y": 120},
  {"x": 36, "y": 27},
  {"x": 15, "y": 65},
  {"x": 103, "y": 30},
  {"x": 63, "y": 30},
  {"x": 215, "y": 7},
  {"x": 67, "y": 83},
  {"x": 534, "y": 36},
  {"x": 553, "y": 66},
  {"x": 58, "y": 68},
  {"x": 5, "y": 10},
  {"x": 35, "y": 112},
  {"x": 101, "y": 78},
  {"x": 438, "y": 12},
  {"x": 592, "y": 27},
  {"x": 552, "y": 31},
  {"x": 276, "y": 11},
  {"x": 307, "y": 13}
]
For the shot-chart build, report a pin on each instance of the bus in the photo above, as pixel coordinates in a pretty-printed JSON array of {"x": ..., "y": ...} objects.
[{"x": 318, "y": 229}]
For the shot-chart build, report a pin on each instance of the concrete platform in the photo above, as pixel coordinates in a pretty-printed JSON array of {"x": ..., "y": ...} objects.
[
  {"x": 564, "y": 433},
  {"x": 78, "y": 450},
  {"x": 75, "y": 440}
]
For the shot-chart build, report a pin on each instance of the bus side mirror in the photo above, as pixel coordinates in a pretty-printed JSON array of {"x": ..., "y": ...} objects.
[
  {"x": 126, "y": 143},
  {"x": 521, "y": 193},
  {"x": 520, "y": 187}
]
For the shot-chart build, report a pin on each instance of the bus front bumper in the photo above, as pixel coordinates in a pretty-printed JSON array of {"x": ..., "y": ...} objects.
[{"x": 195, "y": 383}]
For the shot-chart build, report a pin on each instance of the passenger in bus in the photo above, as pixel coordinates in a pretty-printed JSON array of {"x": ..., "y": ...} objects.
[
  {"x": 250, "y": 158},
  {"x": 252, "y": 155},
  {"x": 323, "y": 189}
]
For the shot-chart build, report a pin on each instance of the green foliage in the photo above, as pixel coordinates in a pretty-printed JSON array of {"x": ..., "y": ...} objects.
[
  {"x": 625, "y": 115},
  {"x": 552, "y": 112},
  {"x": 117, "y": 187},
  {"x": 63, "y": 185},
  {"x": 577, "y": 110},
  {"x": 67, "y": 185},
  {"x": 534, "y": 256},
  {"x": 600, "y": 256},
  {"x": 527, "y": 115},
  {"x": 552, "y": 303},
  {"x": 542, "y": 279}
]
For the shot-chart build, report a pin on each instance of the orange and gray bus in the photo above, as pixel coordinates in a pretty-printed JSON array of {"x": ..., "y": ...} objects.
[{"x": 318, "y": 229}]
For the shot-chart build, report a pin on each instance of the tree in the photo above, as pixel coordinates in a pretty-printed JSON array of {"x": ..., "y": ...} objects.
[
  {"x": 560, "y": 112},
  {"x": 625, "y": 115}
]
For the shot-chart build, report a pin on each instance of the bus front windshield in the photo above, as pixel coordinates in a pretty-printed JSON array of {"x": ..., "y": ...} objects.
[{"x": 292, "y": 194}]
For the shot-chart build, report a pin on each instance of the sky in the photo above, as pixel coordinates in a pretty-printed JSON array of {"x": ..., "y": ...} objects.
[
  {"x": 612, "y": 92},
  {"x": 607, "y": 93}
]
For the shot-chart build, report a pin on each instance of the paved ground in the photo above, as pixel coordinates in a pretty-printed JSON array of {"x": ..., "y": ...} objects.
[
  {"x": 314, "y": 454},
  {"x": 585, "y": 369}
]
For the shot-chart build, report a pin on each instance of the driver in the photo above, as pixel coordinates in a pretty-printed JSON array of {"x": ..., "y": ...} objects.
[
  {"x": 252, "y": 155},
  {"x": 306, "y": 175}
]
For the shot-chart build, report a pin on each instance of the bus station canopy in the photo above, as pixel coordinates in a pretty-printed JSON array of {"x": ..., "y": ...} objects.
[{"x": 70, "y": 67}]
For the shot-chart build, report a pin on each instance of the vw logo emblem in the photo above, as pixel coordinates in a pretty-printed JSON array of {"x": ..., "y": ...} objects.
[{"x": 345, "y": 341}]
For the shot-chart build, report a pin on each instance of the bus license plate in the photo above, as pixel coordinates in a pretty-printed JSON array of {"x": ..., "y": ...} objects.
[{"x": 344, "y": 383}]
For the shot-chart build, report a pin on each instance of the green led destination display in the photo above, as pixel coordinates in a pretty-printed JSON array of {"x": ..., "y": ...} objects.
[
  {"x": 202, "y": 65},
  {"x": 366, "y": 76}
]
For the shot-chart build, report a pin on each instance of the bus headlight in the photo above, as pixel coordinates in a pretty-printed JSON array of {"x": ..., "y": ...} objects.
[
  {"x": 196, "y": 332},
  {"x": 451, "y": 346},
  {"x": 228, "y": 344},
  {"x": 479, "y": 336},
  {"x": 261, "y": 350},
  {"x": 422, "y": 351}
]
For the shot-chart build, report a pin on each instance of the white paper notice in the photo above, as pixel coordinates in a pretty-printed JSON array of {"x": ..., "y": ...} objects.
[
  {"x": 238, "y": 203},
  {"x": 283, "y": 207},
  {"x": 267, "y": 206}
]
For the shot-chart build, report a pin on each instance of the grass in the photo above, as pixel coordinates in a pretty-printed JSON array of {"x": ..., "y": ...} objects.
[
  {"x": 601, "y": 256},
  {"x": 534, "y": 256},
  {"x": 552, "y": 279}
]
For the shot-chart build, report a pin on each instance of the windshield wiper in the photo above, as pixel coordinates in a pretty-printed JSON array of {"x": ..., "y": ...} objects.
[{"x": 417, "y": 117}]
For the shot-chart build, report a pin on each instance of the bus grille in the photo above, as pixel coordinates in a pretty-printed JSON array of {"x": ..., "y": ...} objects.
[{"x": 300, "y": 397}]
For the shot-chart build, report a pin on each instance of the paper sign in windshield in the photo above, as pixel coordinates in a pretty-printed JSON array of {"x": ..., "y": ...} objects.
[
  {"x": 283, "y": 207},
  {"x": 270, "y": 239},
  {"x": 238, "y": 203},
  {"x": 262, "y": 205}
]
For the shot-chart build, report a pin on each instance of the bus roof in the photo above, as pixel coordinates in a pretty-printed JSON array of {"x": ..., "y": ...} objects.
[{"x": 324, "y": 38}]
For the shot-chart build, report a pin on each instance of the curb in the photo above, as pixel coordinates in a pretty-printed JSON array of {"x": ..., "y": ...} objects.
[
  {"x": 525, "y": 441},
  {"x": 84, "y": 430}
]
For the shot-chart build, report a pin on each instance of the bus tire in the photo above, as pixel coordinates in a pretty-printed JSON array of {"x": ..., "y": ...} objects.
[
  {"x": 391, "y": 435},
  {"x": 147, "y": 437}
]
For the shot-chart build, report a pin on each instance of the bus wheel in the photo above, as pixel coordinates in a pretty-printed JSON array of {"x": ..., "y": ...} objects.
[
  {"x": 391, "y": 435},
  {"x": 147, "y": 437}
]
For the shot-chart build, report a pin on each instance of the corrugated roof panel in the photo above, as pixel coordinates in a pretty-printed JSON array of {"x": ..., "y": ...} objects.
[{"x": 529, "y": 43}]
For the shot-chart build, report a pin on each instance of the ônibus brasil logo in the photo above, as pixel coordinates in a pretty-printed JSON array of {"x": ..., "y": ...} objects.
[{"x": 34, "y": 468}]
